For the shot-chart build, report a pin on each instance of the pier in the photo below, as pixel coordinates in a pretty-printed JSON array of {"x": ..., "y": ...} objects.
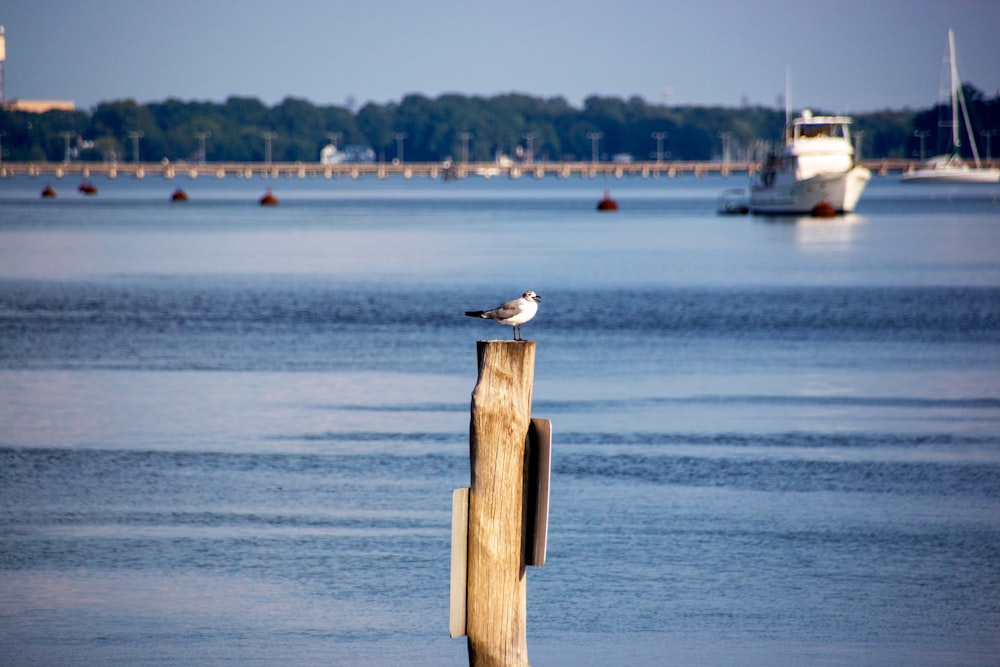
[{"x": 434, "y": 170}]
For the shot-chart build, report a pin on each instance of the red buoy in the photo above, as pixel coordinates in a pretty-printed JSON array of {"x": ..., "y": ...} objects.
[
  {"x": 48, "y": 192},
  {"x": 268, "y": 199},
  {"x": 179, "y": 195},
  {"x": 607, "y": 203},
  {"x": 824, "y": 209},
  {"x": 87, "y": 188}
]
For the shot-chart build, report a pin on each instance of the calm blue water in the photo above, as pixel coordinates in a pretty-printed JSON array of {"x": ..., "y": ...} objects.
[{"x": 229, "y": 434}]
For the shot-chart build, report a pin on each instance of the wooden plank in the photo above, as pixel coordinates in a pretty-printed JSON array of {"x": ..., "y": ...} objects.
[
  {"x": 539, "y": 452},
  {"x": 459, "y": 561}
]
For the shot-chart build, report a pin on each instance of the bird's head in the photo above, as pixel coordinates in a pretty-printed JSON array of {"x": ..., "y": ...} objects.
[{"x": 530, "y": 296}]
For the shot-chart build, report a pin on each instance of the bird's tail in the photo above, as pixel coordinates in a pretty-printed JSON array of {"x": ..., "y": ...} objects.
[{"x": 474, "y": 313}]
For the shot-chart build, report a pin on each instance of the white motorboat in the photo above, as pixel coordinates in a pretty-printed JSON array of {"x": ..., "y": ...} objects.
[
  {"x": 813, "y": 173},
  {"x": 951, "y": 168}
]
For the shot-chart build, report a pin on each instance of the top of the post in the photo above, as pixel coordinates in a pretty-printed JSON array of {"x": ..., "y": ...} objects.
[{"x": 505, "y": 353}]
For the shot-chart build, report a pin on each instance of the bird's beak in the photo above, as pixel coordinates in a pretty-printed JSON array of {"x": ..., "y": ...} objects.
[{"x": 538, "y": 298}]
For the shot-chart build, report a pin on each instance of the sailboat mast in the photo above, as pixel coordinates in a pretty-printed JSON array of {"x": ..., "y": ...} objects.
[
  {"x": 956, "y": 84},
  {"x": 958, "y": 98}
]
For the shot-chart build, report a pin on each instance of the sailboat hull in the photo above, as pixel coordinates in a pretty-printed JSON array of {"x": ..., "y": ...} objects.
[{"x": 950, "y": 175}]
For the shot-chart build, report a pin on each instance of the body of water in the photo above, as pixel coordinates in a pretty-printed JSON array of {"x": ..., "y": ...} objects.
[{"x": 229, "y": 434}]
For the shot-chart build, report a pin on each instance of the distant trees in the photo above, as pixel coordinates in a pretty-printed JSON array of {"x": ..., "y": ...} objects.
[{"x": 446, "y": 127}]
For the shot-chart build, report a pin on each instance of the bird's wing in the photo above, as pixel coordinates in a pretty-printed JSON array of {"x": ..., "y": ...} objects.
[{"x": 509, "y": 309}]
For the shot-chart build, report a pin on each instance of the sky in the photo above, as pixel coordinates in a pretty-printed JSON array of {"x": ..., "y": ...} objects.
[{"x": 845, "y": 56}]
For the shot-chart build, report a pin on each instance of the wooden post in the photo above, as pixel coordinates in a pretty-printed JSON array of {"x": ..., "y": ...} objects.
[{"x": 496, "y": 622}]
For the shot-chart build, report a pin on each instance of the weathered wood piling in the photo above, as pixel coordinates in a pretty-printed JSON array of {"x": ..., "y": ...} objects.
[{"x": 496, "y": 622}]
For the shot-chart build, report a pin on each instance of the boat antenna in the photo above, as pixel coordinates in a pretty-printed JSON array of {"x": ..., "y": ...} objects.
[{"x": 788, "y": 96}]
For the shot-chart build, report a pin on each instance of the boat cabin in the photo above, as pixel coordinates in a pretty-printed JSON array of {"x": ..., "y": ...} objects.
[
  {"x": 808, "y": 126},
  {"x": 818, "y": 145}
]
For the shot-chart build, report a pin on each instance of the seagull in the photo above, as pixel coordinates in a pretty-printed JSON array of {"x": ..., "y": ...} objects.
[{"x": 513, "y": 313}]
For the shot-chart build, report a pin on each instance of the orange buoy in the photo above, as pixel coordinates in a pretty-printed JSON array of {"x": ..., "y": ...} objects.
[
  {"x": 179, "y": 195},
  {"x": 268, "y": 199},
  {"x": 824, "y": 209},
  {"x": 48, "y": 192},
  {"x": 87, "y": 188},
  {"x": 607, "y": 203}
]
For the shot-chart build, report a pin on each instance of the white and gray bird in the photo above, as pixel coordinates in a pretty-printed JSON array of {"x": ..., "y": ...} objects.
[{"x": 513, "y": 313}]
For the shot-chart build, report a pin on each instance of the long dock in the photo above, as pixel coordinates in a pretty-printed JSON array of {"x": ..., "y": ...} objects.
[{"x": 434, "y": 170}]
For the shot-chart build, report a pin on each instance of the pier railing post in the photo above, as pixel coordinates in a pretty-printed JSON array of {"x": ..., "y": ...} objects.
[{"x": 496, "y": 623}]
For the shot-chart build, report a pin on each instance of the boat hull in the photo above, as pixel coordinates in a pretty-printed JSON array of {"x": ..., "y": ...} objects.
[
  {"x": 841, "y": 191},
  {"x": 951, "y": 176}
]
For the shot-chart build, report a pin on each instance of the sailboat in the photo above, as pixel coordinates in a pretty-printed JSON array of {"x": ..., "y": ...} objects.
[{"x": 950, "y": 168}]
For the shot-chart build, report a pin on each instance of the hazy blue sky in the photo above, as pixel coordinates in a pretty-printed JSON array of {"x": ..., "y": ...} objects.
[{"x": 847, "y": 56}]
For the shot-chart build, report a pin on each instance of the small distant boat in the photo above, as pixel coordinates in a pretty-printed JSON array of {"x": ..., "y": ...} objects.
[
  {"x": 179, "y": 195},
  {"x": 951, "y": 168},
  {"x": 607, "y": 203},
  {"x": 268, "y": 199},
  {"x": 48, "y": 192},
  {"x": 87, "y": 188},
  {"x": 815, "y": 167},
  {"x": 733, "y": 202}
]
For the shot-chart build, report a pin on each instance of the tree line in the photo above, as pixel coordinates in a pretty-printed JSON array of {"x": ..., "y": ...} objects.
[{"x": 455, "y": 127}]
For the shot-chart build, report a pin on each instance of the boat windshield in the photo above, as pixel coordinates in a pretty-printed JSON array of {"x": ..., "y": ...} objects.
[
  {"x": 814, "y": 130},
  {"x": 818, "y": 130}
]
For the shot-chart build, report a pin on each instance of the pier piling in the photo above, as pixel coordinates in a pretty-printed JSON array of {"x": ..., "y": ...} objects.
[{"x": 497, "y": 591}]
